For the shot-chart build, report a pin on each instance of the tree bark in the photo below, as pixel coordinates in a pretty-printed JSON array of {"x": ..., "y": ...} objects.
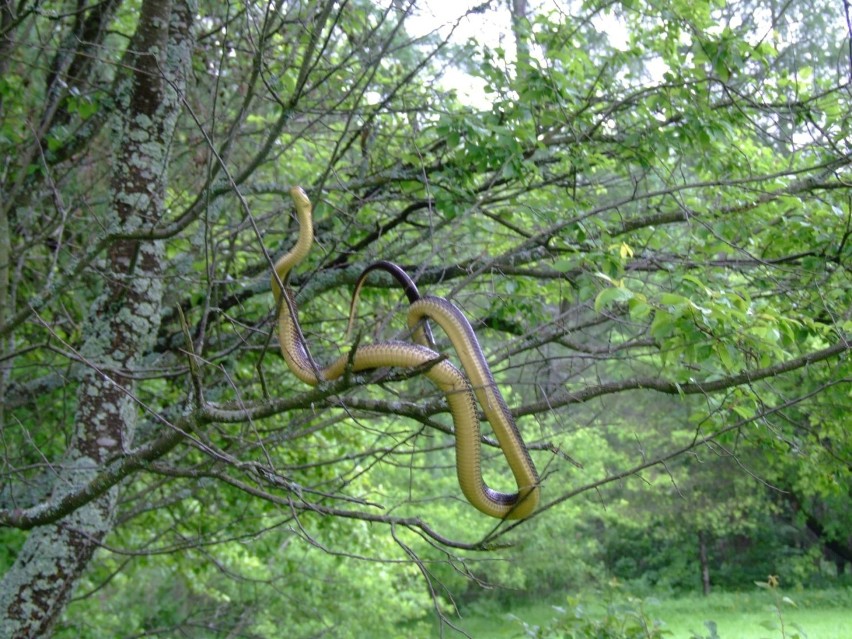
[
  {"x": 520, "y": 31},
  {"x": 124, "y": 324},
  {"x": 705, "y": 565},
  {"x": 838, "y": 550}
]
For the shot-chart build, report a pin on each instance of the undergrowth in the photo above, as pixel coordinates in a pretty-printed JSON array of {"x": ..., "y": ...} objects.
[{"x": 612, "y": 613}]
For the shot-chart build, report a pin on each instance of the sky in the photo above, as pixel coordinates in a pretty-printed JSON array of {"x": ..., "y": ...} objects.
[{"x": 491, "y": 27}]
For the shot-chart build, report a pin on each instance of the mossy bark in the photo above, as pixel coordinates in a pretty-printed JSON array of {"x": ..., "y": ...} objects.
[{"x": 124, "y": 322}]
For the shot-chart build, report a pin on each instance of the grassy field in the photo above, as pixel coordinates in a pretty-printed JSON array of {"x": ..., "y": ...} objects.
[{"x": 751, "y": 615}]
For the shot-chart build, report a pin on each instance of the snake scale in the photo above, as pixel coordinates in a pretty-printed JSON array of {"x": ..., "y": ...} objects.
[{"x": 462, "y": 389}]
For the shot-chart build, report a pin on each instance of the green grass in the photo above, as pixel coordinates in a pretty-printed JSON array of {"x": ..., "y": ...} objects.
[
  {"x": 825, "y": 614},
  {"x": 815, "y": 615}
]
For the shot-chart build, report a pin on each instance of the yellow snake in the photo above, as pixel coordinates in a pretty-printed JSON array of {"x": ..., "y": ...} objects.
[{"x": 442, "y": 373}]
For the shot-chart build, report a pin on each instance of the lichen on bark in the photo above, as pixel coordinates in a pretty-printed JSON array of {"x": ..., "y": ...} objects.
[{"x": 125, "y": 320}]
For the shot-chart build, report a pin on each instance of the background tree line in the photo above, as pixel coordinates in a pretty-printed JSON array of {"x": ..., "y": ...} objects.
[{"x": 651, "y": 235}]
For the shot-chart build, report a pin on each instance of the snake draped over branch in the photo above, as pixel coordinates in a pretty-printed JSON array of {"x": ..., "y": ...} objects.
[{"x": 462, "y": 389}]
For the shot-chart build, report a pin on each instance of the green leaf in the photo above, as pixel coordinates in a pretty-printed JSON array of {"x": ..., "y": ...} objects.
[
  {"x": 725, "y": 352},
  {"x": 672, "y": 299},
  {"x": 564, "y": 265},
  {"x": 612, "y": 295},
  {"x": 639, "y": 309},
  {"x": 662, "y": 326},
  {"x": 692, "y": 278},
  {"x": 744, "y": 411}
]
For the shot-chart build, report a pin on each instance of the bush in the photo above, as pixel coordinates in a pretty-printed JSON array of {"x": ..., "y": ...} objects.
[{"x": 622, "y": 617}]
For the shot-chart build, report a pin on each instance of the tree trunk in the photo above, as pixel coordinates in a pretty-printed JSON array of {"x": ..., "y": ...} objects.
[
  {"x": 705, "y": 566},
  {"x": 520, "y": 29},
  {"x": 124, "y": 323}
]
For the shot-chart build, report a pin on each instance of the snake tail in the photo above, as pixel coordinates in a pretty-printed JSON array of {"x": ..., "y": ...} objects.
[{"x": 409, "y": 288}]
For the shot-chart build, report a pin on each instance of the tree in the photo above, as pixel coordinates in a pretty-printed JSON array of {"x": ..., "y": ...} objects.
[
  {"x": 127, "y": 309},
  {"x": 666, "y": 217}
]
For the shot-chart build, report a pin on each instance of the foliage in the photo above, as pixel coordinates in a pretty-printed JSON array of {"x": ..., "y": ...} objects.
[
  {"x": 273, "y": 582},
  {"x": 777, "y": 623},
  {"x": 624, "y": 618},
  {"x": 649, "y": 226},
  {"x": 823, "y": 614}
]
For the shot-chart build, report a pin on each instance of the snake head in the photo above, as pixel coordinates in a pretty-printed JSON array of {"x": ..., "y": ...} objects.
[{"x": 300, "y": 198}]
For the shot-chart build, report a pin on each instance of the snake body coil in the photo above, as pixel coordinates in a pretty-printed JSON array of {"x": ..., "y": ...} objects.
[{"x": 452, "y": 382}]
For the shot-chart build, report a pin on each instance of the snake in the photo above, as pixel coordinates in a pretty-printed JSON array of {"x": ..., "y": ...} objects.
[
  {"x": 409, "y": 288},
  {"x": 460, "y": 392},
  {"x": 464, "y": 341}
]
